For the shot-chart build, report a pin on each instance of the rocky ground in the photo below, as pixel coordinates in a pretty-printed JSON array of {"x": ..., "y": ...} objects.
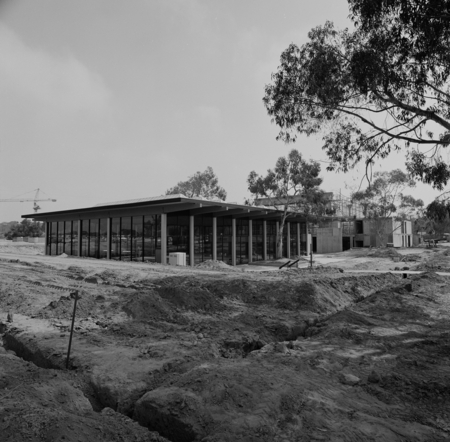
[{"x": 219, "y": 354}]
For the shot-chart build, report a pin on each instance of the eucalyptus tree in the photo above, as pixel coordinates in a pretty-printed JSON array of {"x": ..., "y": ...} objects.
[
  {"x": 201, "y": 184},
  {"x": 292, "y": 187},
  {"x": 381, "y": 87}
]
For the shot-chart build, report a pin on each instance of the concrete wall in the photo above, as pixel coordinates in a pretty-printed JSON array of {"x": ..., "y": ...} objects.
[{"x": 329, "y": 240}]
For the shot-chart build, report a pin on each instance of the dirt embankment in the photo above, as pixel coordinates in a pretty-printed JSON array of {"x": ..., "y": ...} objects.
[{"x": 225, "y": 356}]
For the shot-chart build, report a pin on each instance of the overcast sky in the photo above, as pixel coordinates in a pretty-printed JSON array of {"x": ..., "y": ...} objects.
[{"x": 106, "y": 100}]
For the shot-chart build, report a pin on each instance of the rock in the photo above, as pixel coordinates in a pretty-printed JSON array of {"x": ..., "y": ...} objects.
[
  {"x": 374, "y": 377},
  {"x": 349, "y": 379},
  {"x": 9, "y": 318},
  {"x": 200, "y": 336},
  {"x": 341, "y": 270},
  {"x": 405, "y": 268},
  {"x": 408, "y": 287}
]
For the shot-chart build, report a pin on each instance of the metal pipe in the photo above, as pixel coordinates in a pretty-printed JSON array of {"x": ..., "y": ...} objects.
[{"x": 76, "y": 297}]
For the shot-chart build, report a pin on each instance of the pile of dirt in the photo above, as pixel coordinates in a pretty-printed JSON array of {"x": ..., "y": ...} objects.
[
  {"x": 148, "y": 306},
  {"x": 411, "y": 258},
  {"x": 63, "y": 307},
  {"x": 189, "y": 293},
  {"x": 384, "y": 252},
  {"x": 211, "y": 264},
  {"x": 317, "y": 270}
]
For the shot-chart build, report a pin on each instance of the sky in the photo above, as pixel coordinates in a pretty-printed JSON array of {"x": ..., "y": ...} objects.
[{"x": 109, "y": 100}]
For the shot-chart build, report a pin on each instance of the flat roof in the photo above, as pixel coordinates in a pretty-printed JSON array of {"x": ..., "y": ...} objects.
[{"x": 167, "y": 204}]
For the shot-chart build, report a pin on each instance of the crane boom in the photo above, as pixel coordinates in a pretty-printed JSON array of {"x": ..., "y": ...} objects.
[{"x": 21, "y": 200}]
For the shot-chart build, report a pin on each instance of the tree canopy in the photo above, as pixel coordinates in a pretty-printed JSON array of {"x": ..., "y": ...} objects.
[
  {"x": 380, "y": 88},
  {"x": 292, "y": 186},
  {"x": 26, "y": 228},
  {"x": 201, "y": 184},
  {"x": 385, "y": 197}
]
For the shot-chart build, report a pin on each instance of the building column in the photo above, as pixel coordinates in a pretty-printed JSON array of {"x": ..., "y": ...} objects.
[
  {"x": 298, "y": 239},
  {"x": 288, "y": 240},
  {"x": 46, "y": 237},
  {"x": 80, "y": 239},
  {"x": 214, "y": 238},
  {"x": 233, "y": 242},
  {"x": 191, "y": 241},
  {"x": 276, "y": 239},
  {"x": 250, "y": 241},
  {"x": 265, "y": 240},
  {"x": 108, "y": 238},
  {"x": 163, "y": 238}
]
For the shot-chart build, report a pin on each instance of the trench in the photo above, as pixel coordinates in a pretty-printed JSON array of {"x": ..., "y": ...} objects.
[{"x": 166, "y": 424}]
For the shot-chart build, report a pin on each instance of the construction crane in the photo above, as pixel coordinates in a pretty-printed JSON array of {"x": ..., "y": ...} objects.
[{"x": 35, "y": 200}]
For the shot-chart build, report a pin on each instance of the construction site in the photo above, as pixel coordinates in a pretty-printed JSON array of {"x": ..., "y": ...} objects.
[{"x": 353, "y": 346}]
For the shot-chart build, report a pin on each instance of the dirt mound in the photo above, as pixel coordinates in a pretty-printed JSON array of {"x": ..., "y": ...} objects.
[
  {"x": 146, "y": 306},
  {"x": 63, "y": 307},
  {"x": 411, "y": 258},
  {"x": 317, "y": 270},
  {"x": 320, "y": 295},
  {"x": 211, "y": 264},
  {"x": 189, "y": 293},
  {"x": 385, "y": 252}
]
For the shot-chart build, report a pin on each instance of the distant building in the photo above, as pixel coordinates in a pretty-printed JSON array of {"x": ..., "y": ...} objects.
[{"x": 348, "y": 227}]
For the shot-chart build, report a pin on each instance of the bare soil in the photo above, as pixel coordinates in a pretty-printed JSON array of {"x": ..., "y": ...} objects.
[{"x": 219, "y": 354}]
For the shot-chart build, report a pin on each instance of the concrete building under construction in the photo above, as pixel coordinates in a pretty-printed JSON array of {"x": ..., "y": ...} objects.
[{"x": 149, "y": 229}]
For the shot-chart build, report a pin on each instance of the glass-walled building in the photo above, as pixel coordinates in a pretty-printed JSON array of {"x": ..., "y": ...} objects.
[{"x": 148, "y": 230}]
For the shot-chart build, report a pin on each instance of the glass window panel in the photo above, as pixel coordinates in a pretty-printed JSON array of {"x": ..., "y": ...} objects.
[
  {"x": 84, "y": 237},
  {"x": 125, "y": 239},
  {"x": 75, "y": 238},
  {"x": 54, "y": 238},
  {"x": 93, "y": 238},
  {"x": 60, "y": 243},
  {"x": 158, "y": 231},
  {"x": 103, "y": 238},
  {"x": 183, "y": 220},
  {"x": 207, "y": 220},
  {"x": 68, "y": 237},
  {"x": 115, "y": 238},
  {"x": 137, "y": 238},
  {"x": 149, "y": 238}
]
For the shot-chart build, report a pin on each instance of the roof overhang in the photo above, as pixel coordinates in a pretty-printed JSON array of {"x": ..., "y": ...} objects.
[{"x": 158, "y": 205}]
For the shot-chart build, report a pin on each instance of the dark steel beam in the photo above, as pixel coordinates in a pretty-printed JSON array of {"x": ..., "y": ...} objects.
[
  {"x": 251, "y": 214},
  {"x": 208, "y": 209},
  {"x": 231, "y": 212}
]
